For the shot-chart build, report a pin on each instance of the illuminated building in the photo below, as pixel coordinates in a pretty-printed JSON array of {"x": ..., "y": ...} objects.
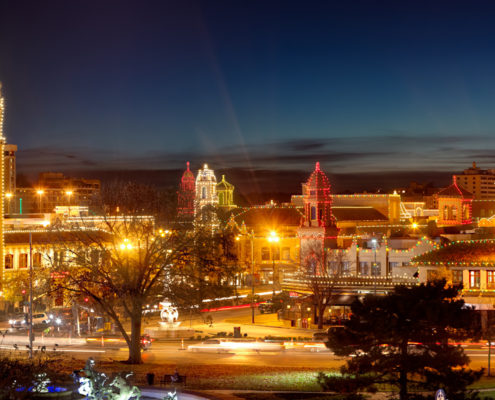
[
  {"x": 206, "y": 197},
  {"x": 255, "y": 226},
  {"x": 52, "y": 190},
  {"x": 186, "y": 195},
  {"x": 479, "y": 182},
  {"x": 2, "y": 186},
  {"x": 10, "y": 168},
  {"x": 318, "y": 229},
  {"x": 454, "y": 205},
  {"x": 225, "y": 193},
  {"x": 467, "y": 262}
]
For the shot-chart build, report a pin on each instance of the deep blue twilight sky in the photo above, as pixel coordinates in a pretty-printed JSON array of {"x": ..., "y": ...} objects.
[{"x": 362, "y": 86}]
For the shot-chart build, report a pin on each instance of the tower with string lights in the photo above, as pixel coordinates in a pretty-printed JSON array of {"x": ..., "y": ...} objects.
[
  {"x": 318, "y": 230},
  {"x": 186, "y": 196}
]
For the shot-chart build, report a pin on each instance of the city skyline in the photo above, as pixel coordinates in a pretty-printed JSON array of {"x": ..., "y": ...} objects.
[{"x": 387, "y": 90}]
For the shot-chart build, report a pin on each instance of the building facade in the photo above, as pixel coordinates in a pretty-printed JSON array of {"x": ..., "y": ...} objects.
[{"x": 479, "y": 182}]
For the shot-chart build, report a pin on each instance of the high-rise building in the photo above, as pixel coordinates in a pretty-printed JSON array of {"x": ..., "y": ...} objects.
[
  {"x": 479, "y": 182},
  {"x": 10, "y": 167}
]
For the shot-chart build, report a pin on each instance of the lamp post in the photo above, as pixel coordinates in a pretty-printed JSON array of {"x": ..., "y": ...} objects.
[
  {"x": 251, "y": 239},
  {"x": 373, "y": 270},
  {"x": 8, "y": 195},
  {"x": 69, "y": 194},
  {"x": 40, "y": 193},
  {"x": 30, "y": 317},
  {"x": 273, "y": 238}
]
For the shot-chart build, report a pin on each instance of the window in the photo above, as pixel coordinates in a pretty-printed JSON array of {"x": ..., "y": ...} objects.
[
  {"x": 9, "y": 261},
  {"x": 23, "y": 260},
  {"x": 457, "y": 276},
  {"x": 474, "y": 279},
  {"x": 203, "y": 192},
  {"x": 376, "y": 269},
  {"x": 392, "y": 265},
  {"x": 37, "y": 260},
  {"x": 265, "y": 254},
  {"x": 276, "y": 253},
  {"x": 313, "y": 213},
  {"x": 333, "y": 267},
  {"x": 286, "y": 253},
  {"x": 346, "y": 267},
  {"x": 490, "y": 279},
  {"x": 364, "y": 267}
]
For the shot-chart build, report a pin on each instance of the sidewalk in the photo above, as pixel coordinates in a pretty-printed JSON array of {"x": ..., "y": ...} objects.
[{"x": 265, "y": 325}]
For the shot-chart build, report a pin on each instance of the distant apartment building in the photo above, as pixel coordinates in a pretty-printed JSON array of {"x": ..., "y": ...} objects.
[
  {"x": 479, "y": 182},
  {"x": 53, "y": 189}
]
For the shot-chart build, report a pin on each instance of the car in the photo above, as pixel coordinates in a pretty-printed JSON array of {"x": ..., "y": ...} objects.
[
  {"x": 321, "y": 336},
  {"x": 210, "y": 345},
  {"x": 267, "y": 307},
  {"x": 18, "y": 321}
]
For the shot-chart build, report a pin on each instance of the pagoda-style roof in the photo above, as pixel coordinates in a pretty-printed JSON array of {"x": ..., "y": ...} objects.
[
  {"x": 455, "y": 191},
  {"x": 461, "y": 253},
  {"x": 270, "y": 216},
  {"x": 358, "y": 214}
]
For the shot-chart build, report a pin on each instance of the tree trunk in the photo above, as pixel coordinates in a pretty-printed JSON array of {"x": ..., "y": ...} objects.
[
  {"x": 403, "y": 395},
  {"x": 135, "y": 344},
  {"x": 321, "y": 312}
]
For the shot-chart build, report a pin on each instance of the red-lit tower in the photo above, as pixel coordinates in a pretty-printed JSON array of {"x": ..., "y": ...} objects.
[
  {"x": 317, "y": 200},
  {"x": 186, "y": 195},
  {"x": 318, "y": 231}
]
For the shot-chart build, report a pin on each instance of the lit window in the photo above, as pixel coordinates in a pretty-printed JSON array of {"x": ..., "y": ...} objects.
[
  {"x": 490, "y": 279},
  {"x": 9, "y": 261},
  {"x": 23, "y": 260},
  {"x": 457, "y": 276},
  {"x": 474, "y": 279}
]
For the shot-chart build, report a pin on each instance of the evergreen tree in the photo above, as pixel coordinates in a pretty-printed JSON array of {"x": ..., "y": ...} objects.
[{"x": 406, "y": 339}]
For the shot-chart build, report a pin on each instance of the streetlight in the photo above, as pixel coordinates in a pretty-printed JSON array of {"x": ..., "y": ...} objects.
[
  {"x": 273, "y": 238},
  {"x": 373, "y": 270},
  {"x": 40, "y": 193},
  {"x": 69, "y": 194},
  {"x": 251, "y": 239},
  {"x": 8, "y": 195}
]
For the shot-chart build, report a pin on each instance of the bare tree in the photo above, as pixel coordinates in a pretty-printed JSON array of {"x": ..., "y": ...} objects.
[
  {"x": 318, "y": 273},
  {"x": 120, "y": 262}
]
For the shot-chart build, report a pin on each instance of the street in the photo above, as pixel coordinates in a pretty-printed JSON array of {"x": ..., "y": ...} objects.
[{"x": 175, "y": 352}]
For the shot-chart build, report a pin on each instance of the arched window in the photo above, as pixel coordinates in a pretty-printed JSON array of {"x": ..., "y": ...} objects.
[{"x": 203, "y": 192}]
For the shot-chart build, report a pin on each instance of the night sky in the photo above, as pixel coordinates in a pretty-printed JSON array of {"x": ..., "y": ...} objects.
[{"x": 367, "y": 87}]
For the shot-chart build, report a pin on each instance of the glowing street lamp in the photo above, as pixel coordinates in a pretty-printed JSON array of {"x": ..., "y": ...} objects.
[
  {"x": 40, "y": 193},
  {"x": 126, "y": 245},
  {"x": 273, "y": 238}
]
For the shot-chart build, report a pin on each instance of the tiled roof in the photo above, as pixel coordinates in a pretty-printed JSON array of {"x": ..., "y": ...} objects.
[
  {"x": 357, "y": 214},
  {"x": 470, "y": 252},
  {"x": 48, "y": 237},
  {"x": 455, "y": 191}
]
